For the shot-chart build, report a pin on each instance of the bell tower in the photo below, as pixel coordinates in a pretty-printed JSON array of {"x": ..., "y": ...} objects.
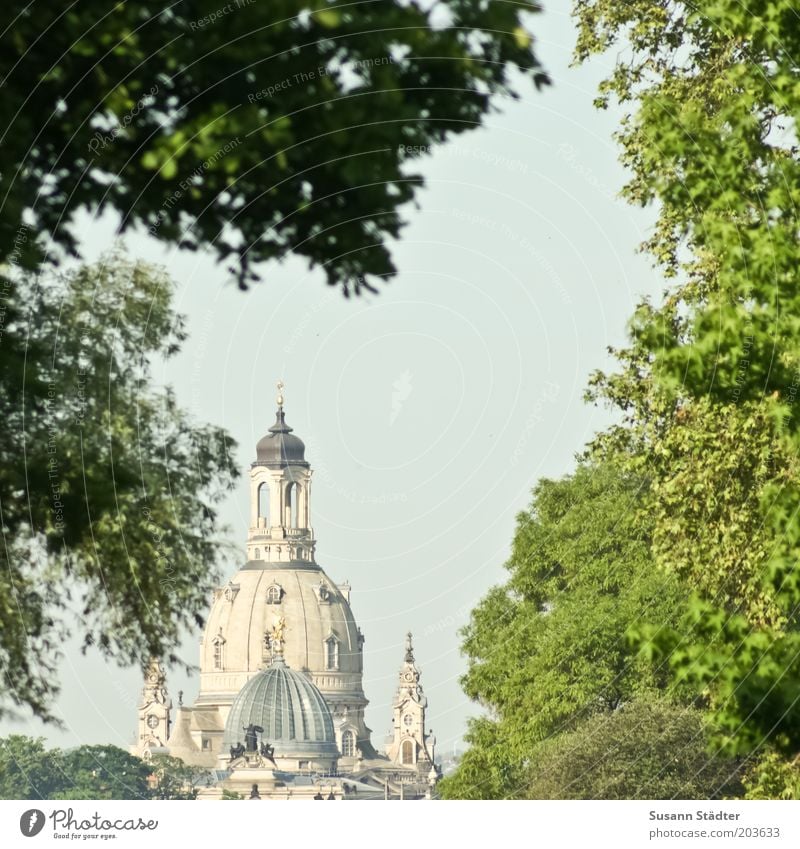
[
  {"x": 280, "y": 493},
  {"x": 410, "y": 744}
]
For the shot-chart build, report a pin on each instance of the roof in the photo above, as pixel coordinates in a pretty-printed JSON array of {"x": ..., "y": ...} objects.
[
  {"x": 280, "y": 447},
  {"x": 180, "y": 740},
  {"x": 288, "y": 707}
]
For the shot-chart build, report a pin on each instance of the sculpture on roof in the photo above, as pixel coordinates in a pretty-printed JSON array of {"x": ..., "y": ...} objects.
[{"x": 251, "y": 733}]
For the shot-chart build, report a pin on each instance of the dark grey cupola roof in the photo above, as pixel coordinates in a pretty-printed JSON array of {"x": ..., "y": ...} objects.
[{"x": 280, "y": 447}]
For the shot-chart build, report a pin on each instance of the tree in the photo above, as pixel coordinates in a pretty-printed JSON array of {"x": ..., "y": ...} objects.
[
  {"x": 648, "y": 749},
  {"x": 548, "y": 649},
  {"x": 172, "y": 779},
  {"x": 256, "y": 129},
  {"x": 770, "y": 776},
  {"x": 102, "y": 772},
  {"x": 711, "y": 96},
  {"x": 108, "y": 490},
  {"x": 27, "y": 769},
  {"x": 710, "y": 137}
]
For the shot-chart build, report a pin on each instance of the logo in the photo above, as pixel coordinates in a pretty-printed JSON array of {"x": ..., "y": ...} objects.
[
  {"x": 402, "y": 390},
  {"x": 31, "y": 822}
]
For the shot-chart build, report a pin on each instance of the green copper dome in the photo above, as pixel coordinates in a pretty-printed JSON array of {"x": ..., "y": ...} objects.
[{"x": 291, "y": 710}]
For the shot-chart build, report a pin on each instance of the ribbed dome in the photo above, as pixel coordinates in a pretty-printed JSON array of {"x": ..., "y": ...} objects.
[
  {"x": 280, "y": 446},
  {"x": 291, "y": 710}
]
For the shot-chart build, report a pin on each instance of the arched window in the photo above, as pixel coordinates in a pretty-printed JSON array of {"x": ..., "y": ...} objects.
[
  {"x": 331, "y": 653},
  {"x": 219, "y": 651},
  {"x": 274, "y": 594},
  {"x": 290, "y": 506},
  {"x": 348, "y": 744},
  {"x": 258, "y": 554},
  {"x": 263, "y": 505},
  {"x": 298, "y": 497},
  {"x": 407, "y": 752}
]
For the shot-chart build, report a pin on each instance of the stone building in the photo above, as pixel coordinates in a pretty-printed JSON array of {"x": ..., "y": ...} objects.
[{"x": 282, "y": 653}]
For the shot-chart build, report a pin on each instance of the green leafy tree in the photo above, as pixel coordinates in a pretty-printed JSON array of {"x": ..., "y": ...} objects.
[
  {"x": 770, "y": 776},
  {"x": 28, "y": 770},
  {"x": 171, "y": 778},
  {"x": 711, "y": 102},
  {"x": 548, "y": 649},
  {"x": 102, "y": 772},
  {"x": 709, "y": 89},
  {"x": 258, "y": 129},
  {"x": 108, "y": 490},
  {"x": 648, "y": 749}
]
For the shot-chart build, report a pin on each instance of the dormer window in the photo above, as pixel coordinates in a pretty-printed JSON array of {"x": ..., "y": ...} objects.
[
  {"x": 332, "y": 652},
  {"x": 274, "y": 594},
  {"x": 219, "y": 651}
]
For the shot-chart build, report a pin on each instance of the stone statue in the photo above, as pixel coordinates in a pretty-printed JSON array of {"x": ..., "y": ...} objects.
[
  {"x": 278, "y": 630},
  {"x": 251, "y": 733},
  {"x": 254, "y": 794},
  {"x": 409, "y": 649},
  {"x": 267, "y": 751},
  {"x": 237, "y": 751}
]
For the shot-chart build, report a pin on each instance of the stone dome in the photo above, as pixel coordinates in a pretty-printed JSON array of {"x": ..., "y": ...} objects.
[
  {"x": 315, "y": 609},
  {"x": 291, "y": 710},
  {"x": 280, "y": 447}
]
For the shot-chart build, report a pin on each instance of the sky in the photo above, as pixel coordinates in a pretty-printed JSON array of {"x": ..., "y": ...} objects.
[{"x": 429, "y": 411}]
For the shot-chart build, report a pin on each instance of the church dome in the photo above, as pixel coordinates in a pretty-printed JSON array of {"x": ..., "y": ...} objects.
[
  {"x": 280, "y": 446},
  {"x": 291, "y": 710}
]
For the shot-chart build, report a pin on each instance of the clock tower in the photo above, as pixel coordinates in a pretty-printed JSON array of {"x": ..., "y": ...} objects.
[
  {"x": 154, "y": 714},
  {"x": 410, "y": 744}
]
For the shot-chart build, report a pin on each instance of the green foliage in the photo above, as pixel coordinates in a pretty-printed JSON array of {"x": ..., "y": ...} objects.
[
  {"x": 256, "y": 129},
  {"x": 102, "y": 772},
  {"x": 108, "y": 491},
  {"x": 715, "y": 471},
  {"x": 710, "y": 136},
  {"x": 709, "y": 383},
  {"x": 27, "y": 769},
  {"x": 649, "y": 749},
  {"x": 747, "y": 675},
  {"x": 230, "y": 795},
  {"x": 172, "y": 778},
  {"x": 487, "y": 770},
  {"x": 548, "y": 649},
  {"x": 712, "y": 470},
  {"x": 772, "y": 777}
]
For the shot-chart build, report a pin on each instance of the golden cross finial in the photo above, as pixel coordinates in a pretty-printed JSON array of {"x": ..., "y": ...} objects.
[{"x": 279, "y": 399}]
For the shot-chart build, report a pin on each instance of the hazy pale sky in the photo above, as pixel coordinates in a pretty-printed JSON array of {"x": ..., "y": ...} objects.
[{"x": 430, "y": 410}]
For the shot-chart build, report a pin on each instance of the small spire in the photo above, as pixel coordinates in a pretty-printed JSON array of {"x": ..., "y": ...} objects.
[
  {"x": 409, "y": 649},
  {"x": 279, "y": 399}
]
